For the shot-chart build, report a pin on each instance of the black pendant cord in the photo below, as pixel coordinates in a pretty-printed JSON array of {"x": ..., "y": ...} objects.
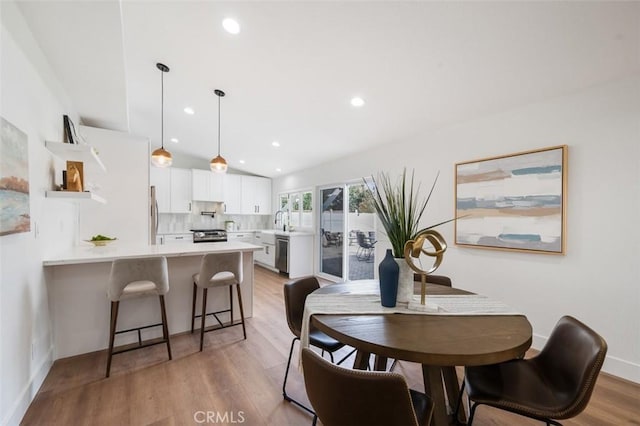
[
  {"x": 163, "y": 69},
  {"x": 219, "y": 125},
  {"x": 162, "y": 109}
]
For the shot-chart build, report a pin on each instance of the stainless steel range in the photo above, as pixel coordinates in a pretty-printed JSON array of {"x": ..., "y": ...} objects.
[{"x": 209, "y": 235}]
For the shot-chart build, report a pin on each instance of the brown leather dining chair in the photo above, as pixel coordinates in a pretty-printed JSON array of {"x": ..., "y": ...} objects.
[
  {"x": 355, "y": 397},
  {"x": 295, "y": 294},
  {"x": 435, "y": 279},
  {"x": 555, "y": 384}
]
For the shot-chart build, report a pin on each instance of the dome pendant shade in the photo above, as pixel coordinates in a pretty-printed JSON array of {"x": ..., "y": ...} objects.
[
  {"x": 161, "y": 157},
  {"x": 218, "y": 164}
]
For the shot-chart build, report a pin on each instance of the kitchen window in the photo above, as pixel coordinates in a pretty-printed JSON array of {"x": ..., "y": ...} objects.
[{"x": 298, "y": 208}]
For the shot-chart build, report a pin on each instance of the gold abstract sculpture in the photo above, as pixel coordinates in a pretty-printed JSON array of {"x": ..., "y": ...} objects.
[{"x": 412, "y": 250}]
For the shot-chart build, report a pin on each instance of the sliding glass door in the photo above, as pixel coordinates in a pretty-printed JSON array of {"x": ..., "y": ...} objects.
[
  {"x": 347, "y": 232},
  {"x": 332, "y": 231}
]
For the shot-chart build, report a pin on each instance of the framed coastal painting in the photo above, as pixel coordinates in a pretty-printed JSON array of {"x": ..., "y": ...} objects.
[
  {"x": 514, "y": 202},
  {"x": 14, "y": 180}
]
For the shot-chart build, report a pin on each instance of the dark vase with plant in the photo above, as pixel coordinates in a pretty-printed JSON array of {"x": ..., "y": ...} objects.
[
  {"x": 388, "y": 273},
  {"x": 400, "y": 207}
]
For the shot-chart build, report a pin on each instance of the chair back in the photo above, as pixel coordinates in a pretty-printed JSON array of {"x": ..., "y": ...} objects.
[
  {"x": 126, "y": 271},
  {"x": 362, "y": 242},
  {"x": 295, "y": 294},
  {"x": 571, "y": 361},
  {"x": 215, "y": 263},
  {"x": 434, "y": 279},
  {"x": 354, "y": 397}
]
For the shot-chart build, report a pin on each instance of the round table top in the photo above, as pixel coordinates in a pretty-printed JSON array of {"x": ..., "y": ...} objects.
[{"x": 442, "y": 340}]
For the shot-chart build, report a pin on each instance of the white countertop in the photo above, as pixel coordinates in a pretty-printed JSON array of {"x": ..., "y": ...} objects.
[
  {"x": 285, "y": 233},
  {"x": 116, "y": 250}
]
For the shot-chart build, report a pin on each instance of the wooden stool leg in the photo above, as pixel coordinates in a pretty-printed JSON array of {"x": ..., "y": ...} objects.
[
  {"x": 165, "y": 325},
  {"x": 203, "y": 317},
  {"x": 112, "y": 333},
  {"x": 193, "y": 305},
  {"x": 244, "y": 332}
]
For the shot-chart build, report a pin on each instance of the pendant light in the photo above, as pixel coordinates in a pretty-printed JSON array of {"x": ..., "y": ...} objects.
[
  {"x": 218, "y": 164},
  {"x": 161, "y": 157}
]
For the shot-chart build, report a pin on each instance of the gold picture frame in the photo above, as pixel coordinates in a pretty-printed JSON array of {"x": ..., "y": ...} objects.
[{"x": 513, "y": 202}]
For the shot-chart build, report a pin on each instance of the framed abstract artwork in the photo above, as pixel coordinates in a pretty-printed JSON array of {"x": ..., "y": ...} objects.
[
  {"x": 15, "y": 215},
  {"x": 516, "y": 201}
]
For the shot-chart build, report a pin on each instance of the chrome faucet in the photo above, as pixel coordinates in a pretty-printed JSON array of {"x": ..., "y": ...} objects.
[{"x": 279, "y": 212}]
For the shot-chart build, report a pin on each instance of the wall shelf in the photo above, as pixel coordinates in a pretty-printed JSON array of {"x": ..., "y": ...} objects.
[
  {"x": 75, "y": 152},
  {"x": 70, "y": 195}
]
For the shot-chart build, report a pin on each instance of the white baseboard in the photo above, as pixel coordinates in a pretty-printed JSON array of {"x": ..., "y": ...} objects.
[
  {"x": 15, "y": 415},
  {"x": 612, "y": 365}
]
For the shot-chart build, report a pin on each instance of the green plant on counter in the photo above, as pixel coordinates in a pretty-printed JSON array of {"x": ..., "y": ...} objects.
[{"x": 100, "y": 237}]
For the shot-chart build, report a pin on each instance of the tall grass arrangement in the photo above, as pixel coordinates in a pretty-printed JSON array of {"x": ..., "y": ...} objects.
[{"x": 400, "y": 207}]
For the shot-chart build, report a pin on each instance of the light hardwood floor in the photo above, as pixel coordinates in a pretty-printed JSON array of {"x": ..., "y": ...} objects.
[{"x": 239, "y": 379}]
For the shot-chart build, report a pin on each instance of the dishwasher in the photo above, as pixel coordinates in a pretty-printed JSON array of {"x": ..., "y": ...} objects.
[{"x": 282, "y": 253}]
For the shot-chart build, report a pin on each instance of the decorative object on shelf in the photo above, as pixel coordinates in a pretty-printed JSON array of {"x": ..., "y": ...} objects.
[
  {"x": 400, "y": 208},
  {"x": 412, "y": 250},
  {"x": 516, "y": 201},
  {"x": 388, "y": 273},
  {"x": 15, "y": 216},
  {"x": 218, "y": 164},
  {"x": 75, "y": 176},
  {"x": 161, "y": 157},
  {"x": 69, "y": 130}
]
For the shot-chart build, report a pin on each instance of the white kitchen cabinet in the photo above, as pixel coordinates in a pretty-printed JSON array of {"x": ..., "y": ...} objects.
[
  {"x": 184, "y": 238},
  {"x": 300, "y": 255},
  {"x": 232, "y": 187},
  {"x": 181, "y": 190},
  {"x": 173, "y": 189},
  {"x": 256, "y": 195},
  {"x": 267, "y": 256},
  {"x": 207, "y": 186},
  {"x": 245, "y": 237}
]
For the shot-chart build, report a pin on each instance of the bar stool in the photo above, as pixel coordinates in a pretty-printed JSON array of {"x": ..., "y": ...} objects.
[
  {"x": 132, "y": 278},
  {"x": 218, "y": 270}
]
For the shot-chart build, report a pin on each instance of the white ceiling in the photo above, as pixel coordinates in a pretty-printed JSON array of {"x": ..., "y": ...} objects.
[{"x": 290, "y": 73}]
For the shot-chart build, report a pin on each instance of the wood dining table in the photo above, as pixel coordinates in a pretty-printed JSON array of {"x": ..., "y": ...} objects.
[{"x": 438, "y": 342}]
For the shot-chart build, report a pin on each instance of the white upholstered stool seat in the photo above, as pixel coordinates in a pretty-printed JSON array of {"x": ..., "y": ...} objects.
[
  {"x": 132, "y": 278},
  {"x": 220, "y": 279},
  {"x": 218, "y": 270},
  {"x": 139, "y": 288}
]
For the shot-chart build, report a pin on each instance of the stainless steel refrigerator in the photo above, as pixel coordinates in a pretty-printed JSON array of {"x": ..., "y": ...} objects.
[{"x": 153, "y": 215}]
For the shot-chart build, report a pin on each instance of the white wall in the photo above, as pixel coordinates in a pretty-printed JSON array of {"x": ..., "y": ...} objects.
[
  {"x": 598, "y": 280},
  {"x": 32, "y": 100},
  {"x": 125, "y": 186}
]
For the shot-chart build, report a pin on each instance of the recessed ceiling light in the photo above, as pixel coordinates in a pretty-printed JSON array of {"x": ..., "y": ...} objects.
[
  {"x": 231, "y": 26},
  {"x": 189, "y": 110},
  {"x": 278, "y": 169},
  {"x": 174, "y": 140},
  {"x": 275, "y": 143},
  {"x": 357, "y": 102},
  {"x": 241, "y": 161}
]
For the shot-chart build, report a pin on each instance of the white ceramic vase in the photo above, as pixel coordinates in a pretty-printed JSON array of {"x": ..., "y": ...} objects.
[{"x": 405, "y": 281}]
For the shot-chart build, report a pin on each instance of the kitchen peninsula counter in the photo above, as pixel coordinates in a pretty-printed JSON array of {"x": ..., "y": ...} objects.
[
  {"x": 77, "y": 282},
  {"x": 115, "y": 250}
]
